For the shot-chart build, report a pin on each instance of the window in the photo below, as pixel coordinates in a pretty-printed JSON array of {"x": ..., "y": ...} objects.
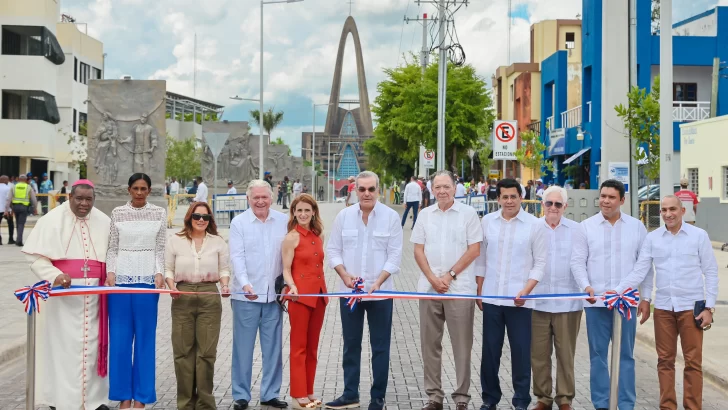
[
  {"x": 74, "y": 119},
  {"x": 95, "y": 73},
  {"x": 75, "y": 69},
  {"x": 693, "y": 180},
  {"x": 348, "y": 128},
  {"x": 85, "y": 72},
  {"x": 685, "y": 92},
  {"x": 29, "y": 105},
  {"x": 348, "y": 166},
  {"x": 82, "y": 122},
  {"x": 570, "y": 41},
  {"x": 725, "y": 183},
  {"x": 31, "y": 41}
]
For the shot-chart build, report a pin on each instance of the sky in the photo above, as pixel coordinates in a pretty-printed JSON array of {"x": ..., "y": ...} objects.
[{"x": 155, "y": 40}]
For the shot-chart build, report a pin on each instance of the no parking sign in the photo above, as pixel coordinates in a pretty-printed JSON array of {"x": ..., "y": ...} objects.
[{"x": 505, "y": 139}]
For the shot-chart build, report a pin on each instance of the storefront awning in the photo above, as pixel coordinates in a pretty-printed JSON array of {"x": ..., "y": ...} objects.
[{"x": 577, "y": 155}]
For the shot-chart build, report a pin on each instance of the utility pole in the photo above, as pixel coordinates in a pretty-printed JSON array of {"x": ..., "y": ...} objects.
[
  {"x": 194, "y": 72},
  {"x": 666, "y": 144},
  {"x": 508, "y": 42},
  {"x": 633, "y": 170},
  {"x": 714, "y": 89}
]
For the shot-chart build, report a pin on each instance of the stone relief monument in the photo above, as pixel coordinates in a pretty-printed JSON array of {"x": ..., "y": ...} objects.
[
  {"x": 238, "y": 160},
  {"x": 126, "y": 134}
]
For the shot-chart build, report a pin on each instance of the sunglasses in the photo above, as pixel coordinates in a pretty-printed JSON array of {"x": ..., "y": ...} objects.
[
  {"x": 370, "y": 189},
  {"x": 549, "y": 204},
  {"x": 204, "y": 217}
]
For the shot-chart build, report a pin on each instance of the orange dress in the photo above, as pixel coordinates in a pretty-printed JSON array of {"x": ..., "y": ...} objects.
[{"x": 307, "y": 314}]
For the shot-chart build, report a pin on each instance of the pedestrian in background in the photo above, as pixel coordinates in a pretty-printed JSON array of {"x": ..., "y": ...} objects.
[
  {"x": 280, "y": 193},
  {"x": 555, "y": 323},
  {"x": 351, "y": 197},
  {"x": 686, "y": 278},
  {"x": 412, "y": 198},
  {"x": 690, "y": 200},
  {"x": 21, "y": 202},
  {"x": 5, "y": 212},
  {"x": 366, "y": 243},
  {"x": 45, "y": 188},
  {"x": 447, "y": 240},
  {"x": 297, "y": 188},
  {"x": 201, "y": 194},
  {"x": 196, "y": 259},
  {"x": 256, "y": 237},
  {"x": 303, "y": 271},
  {"x": 63, "y": 193},
  {"x": 174, "y": 187}
]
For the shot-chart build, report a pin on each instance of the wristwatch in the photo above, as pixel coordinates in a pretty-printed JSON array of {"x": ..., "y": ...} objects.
[
  {"x": 453, "y": 274},
  {"x": 712, "y": 310}
]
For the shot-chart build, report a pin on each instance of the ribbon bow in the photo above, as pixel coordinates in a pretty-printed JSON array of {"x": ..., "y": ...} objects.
[
  {"x": 30, "y": 294},
  {"x": 622, "y": 302},
  {"x": 358, "y": 288}
]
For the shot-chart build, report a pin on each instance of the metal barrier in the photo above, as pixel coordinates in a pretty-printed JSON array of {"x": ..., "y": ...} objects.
[
  {"x": 650, "y": 214},
  {"x": 483, "y": 206},
  {"x": 225, "y": 207}
]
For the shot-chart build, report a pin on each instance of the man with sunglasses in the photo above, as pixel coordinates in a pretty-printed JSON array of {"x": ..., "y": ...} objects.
[
  {"x": 366, "y": 243},
  {"x": 512, "y": 262},
  {"x": 605, "y": 250},
  {"x": 256, "y": 236},
  {"x": 555, "y": 323}
]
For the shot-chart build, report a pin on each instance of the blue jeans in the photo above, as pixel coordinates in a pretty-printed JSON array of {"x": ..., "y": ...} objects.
[
  {"x": 132, "y": 321},
  {"x": 379, "y": 316},
  {"x": 599, "y": 328},
  {"x": 250, "y": 318},
  {"x": 415, "y": 205},
  {"x": 517, "y": 321}
]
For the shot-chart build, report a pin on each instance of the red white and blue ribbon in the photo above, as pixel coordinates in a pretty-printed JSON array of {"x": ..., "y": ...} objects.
[
  {"x": 357, "y": 290},
  {"x": 30, "y": 295},
  {"x": 623, "y": 302}
]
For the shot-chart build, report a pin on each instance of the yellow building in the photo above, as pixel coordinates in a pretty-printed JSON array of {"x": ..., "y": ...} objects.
[
  {"x": 46, "y": 65},
  {"x": 517, "y": 88}
]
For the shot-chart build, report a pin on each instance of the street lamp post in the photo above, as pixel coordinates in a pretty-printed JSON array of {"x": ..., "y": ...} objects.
[
  {"x": 261, "y": 162},
  {"x": 313, "y": 145},
  {"x": 328, "y": 172},
  {"x": 334, "y": 180}
]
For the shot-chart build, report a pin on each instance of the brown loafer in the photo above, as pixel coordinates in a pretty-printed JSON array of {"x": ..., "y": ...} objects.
[
  {"x": 432, "y": 405},
  {"x": 542, "y": 406},
  {"x": 565, "y": 407}
]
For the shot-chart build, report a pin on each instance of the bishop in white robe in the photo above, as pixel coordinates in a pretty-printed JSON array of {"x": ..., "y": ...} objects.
[{"x": 68, "y": 247}]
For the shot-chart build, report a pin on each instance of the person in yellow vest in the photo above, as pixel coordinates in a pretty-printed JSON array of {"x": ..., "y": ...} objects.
[{"x": 20, "y": 202}]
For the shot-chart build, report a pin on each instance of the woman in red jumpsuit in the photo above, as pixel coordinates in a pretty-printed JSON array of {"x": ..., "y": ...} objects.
[{"x": 303, "y": 271}]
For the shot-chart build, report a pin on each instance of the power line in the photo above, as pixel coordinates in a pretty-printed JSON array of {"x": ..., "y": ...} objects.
[{"x": 399, "y": 52}]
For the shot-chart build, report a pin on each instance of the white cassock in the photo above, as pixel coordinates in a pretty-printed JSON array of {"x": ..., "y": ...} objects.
[{"x": 67, "y": 335}]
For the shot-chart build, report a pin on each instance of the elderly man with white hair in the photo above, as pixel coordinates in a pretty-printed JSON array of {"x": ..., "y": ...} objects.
[
  {"x": 555, "y": 323},
  {"x": 256, "y": 236}
]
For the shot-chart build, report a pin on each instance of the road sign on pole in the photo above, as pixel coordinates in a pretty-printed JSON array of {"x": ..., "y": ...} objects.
[
  {"x": 505, "y": 139},
  {"x": 428, "y": 159}
]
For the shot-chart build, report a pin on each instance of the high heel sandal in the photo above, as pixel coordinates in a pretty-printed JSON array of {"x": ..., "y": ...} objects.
[
  {"x": 317, "y": 402},
  {"x": 297, "y": 405}
]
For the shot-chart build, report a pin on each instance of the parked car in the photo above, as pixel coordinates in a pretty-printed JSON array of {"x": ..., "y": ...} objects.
[{"x": 650, "y": 213}]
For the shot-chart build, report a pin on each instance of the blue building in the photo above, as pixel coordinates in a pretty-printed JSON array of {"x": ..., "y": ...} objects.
[{"x": 592, "y": 135}]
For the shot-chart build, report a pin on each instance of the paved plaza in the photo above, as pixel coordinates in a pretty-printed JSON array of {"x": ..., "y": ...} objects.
[{"x": 405, "y": 390}]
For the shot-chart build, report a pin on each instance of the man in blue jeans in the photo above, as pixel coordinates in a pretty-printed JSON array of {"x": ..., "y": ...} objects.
[
  {"x": 366, "y": 243},
  {"x": 412, "y": 198}
]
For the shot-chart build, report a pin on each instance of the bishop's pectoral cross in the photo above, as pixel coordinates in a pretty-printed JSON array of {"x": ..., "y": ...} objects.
[{"x": 85, "y": 270}]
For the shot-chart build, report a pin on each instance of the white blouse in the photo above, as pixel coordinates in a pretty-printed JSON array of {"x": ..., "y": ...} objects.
[{"x": 136, "y": 243}]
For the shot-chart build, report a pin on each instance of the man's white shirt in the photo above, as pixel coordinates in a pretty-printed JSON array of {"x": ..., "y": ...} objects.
[
  {"x": 412, "y": 192},
  {"x": 685, "y": 269},
  {"x": 459, "y": 190},
  {"x": 512, "y": 252},
  {"x": 297, "y": 187},
  {"x": 429, "y": 189},
  {"x": 255, "y": 253},
  {"x": 4, "y": 194},
  {"x": 603, "y": 254},
  {"x": 201, "y": 195},
  {"x": 557, "y": 278},
  {"x": 366, "y": 250},
  {"x": 446, "y": 236},
  {"x": 232, "y": 191},
  {"x": 174, "y": 188}
]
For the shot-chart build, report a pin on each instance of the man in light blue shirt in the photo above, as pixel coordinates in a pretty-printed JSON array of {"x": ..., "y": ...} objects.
[
  {"x": 45, "y": 188},
  {"x": 255, "y": 252}
]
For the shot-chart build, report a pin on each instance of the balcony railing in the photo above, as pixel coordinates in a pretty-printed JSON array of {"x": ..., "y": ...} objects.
[
  {"x": 550, "y": 123},
  {"x": 571, "y": 118},
  {"x": 686, "y": 111},
  {"x": 535, "y": 127}
]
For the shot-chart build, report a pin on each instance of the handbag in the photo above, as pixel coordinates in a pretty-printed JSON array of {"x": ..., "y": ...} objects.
[
  {"x": 697, "y": 310},
  {"x": 281, "y": 289}
]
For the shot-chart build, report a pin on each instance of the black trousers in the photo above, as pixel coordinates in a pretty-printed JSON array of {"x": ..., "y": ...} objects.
[
  {"x": 11, "y": 225},
  {"x": 21, "y": 214}
]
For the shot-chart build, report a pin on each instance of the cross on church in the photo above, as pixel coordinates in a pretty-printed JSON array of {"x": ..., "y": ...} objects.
[
  {"x": 350, "y": 3},
  {"x": 85, "y": 270}
]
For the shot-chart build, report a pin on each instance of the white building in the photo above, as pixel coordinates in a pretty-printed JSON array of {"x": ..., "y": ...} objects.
[{"x": 46, "y": 66}]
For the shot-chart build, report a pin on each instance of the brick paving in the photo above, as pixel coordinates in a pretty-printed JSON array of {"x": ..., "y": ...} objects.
[{"x": 405, "y": 389}]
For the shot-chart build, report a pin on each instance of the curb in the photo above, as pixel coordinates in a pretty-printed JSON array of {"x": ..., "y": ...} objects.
[
  {"x": 15, "y": 350},
  {"x": 710, "y": 371}
]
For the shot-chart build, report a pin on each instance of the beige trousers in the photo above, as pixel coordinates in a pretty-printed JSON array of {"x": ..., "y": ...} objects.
[
  {"x": 549, "y": 330},
  {"x": 459, "y": 316}
]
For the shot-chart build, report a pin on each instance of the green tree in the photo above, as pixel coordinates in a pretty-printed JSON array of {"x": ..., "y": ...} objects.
[
  {"x": 77, "y": 144},
  {"x": 271, "y": 120},
  {"x": 307, "y": 167},
  {"x": 530, "y": 154},
  {"x": 641, "y": 118},
  {"x": 210, "y": 116},
  {"x": 406, "y": 111},
  {"x": 279, "y": 141},
  {"x": 655, "y": 17},
  {"x": 183, "y": 159}
]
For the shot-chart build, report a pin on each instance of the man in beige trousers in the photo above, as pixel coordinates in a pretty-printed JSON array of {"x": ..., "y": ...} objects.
[{"x": 447, "y": 240}]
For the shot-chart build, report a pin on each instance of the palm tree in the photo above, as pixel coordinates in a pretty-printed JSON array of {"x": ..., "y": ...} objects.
[{"x": 270, "y": 120}]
